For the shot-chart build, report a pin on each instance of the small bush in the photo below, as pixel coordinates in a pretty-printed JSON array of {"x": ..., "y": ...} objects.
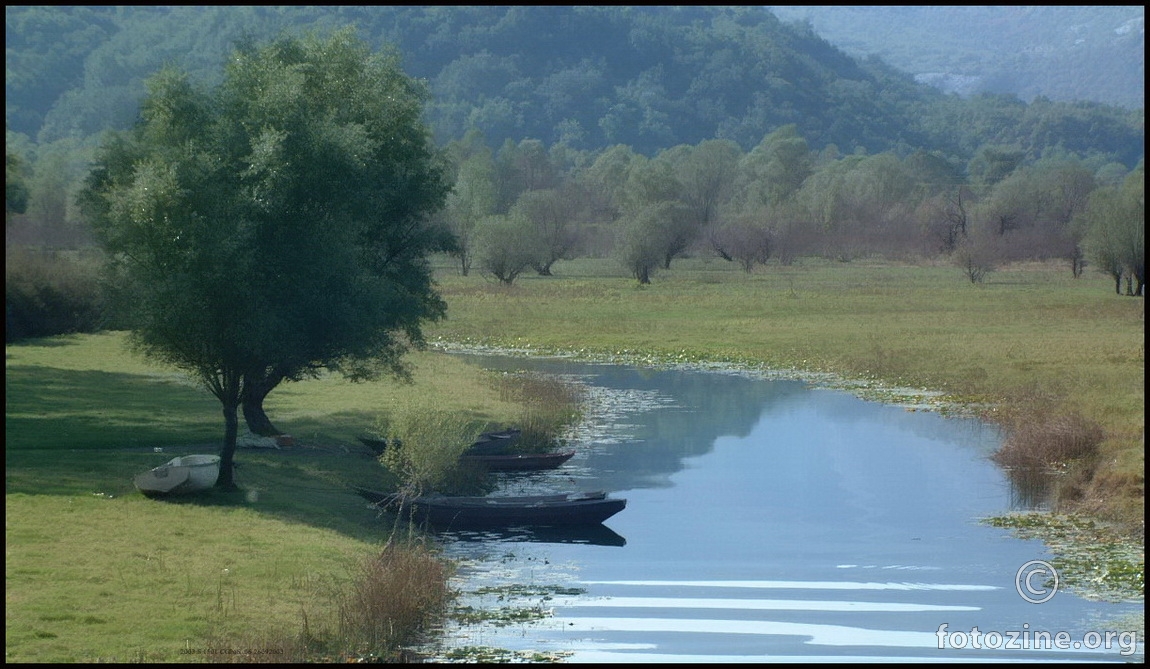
[
  {"x": 399, "y": 594},
  {"x": 1044, "y": 441}
]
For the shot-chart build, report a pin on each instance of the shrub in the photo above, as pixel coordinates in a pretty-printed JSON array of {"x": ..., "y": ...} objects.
[
  {"x": 398, "y": 595},
  {"x": 49, "y": 293}
]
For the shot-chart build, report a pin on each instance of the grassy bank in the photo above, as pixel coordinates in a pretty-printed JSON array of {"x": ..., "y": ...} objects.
[
  {"x": 1031, "y": 342},
  {"x": 97, "y": 572}
]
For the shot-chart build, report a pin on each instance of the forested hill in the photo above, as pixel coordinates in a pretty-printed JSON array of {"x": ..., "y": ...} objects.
[{"x": 590, "y": 77}]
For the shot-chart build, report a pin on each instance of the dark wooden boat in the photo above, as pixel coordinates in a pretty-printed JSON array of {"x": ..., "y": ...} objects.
[
  {"x": 581, "y": 508},
  {"x": 517, "y": 462},
  {"x": 491, "y": 443}
]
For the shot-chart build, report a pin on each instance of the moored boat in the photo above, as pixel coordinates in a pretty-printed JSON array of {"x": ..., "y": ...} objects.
[
  {"x": 580, "y": 508},
  {"x": 517, "y": 462},
  {"x": 491, "y": 443}
]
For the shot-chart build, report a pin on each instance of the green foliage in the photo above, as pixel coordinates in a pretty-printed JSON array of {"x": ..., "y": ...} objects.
[
  {"x": 505, "y": 246},
  {"x": 676, "y": 75},
  {"x": 49, "y": 293},
  {"x": 425, "y": 443},
  {"x": 15, "y": 188},
  {"x": 474, "y": 195},
  {"x": 555, "y": 215},
  {"x": 648, "y": 237}
]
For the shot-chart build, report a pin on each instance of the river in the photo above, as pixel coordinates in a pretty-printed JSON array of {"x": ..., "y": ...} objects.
[{"x": 769, "y": 520}]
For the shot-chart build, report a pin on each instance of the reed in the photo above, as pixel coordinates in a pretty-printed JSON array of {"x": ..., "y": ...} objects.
[{"x": 550, "y": 407}]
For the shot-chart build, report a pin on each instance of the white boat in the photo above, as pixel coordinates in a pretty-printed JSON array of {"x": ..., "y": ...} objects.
[{"x": 188, "y": 473}]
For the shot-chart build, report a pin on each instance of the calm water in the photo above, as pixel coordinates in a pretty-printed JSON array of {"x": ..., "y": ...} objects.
[{"x": 769, "y": 521}]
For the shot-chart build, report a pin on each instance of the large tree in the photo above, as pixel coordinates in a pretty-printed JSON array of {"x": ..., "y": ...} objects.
[{"x": 275, "y": 226}]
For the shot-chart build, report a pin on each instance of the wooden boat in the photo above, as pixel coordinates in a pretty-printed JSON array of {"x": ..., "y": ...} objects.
[
  {"x": 517, "y": 462},
  {"x": 491, "y": 443},
  {"x": 185, "y": 474},
  {"x": 582, "y": 508}
]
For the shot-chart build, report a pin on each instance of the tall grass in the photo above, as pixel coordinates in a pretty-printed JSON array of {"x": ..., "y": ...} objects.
[{"x": 551, "y": 406}]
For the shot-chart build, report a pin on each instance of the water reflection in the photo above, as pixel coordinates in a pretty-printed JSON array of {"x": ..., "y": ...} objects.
[
  {"x": 595, "y": 535},
  {"x": 860, "y": 519},
  {"x": 1030, "y": 487}
]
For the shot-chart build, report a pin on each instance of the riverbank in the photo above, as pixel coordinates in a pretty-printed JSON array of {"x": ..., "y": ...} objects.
[{"x": 1029, "y": 343}]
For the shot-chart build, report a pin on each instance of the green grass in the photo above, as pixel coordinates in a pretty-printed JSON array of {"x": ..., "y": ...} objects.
[
  {"x": 1029, "y": 335},
  {"x": 97, "y": 572}
]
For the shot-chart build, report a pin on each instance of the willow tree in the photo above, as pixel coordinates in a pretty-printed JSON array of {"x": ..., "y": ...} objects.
[
  {"x": 275, "y": 226},
  {"x": 1114, "y": 225}
]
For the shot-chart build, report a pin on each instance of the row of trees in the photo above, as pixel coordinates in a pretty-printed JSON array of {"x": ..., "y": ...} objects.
[{"x": 527, "y": 206}]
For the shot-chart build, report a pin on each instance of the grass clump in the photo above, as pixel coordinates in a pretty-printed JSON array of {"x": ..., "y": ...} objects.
[
  {"x": 1052, "y": 442},
  {"x": 1048, "y": 450},
  {"x": 551, "y": 406}
]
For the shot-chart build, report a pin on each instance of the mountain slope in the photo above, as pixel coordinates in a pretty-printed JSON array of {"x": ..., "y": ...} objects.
[{"x": 1084, "y": 53}]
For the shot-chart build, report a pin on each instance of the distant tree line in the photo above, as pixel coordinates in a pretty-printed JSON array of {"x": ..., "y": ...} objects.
[{"x": 525, "y": 206}]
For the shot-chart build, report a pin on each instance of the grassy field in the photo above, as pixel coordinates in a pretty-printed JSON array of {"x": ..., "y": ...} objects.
[{"x": 94, "y": 571}]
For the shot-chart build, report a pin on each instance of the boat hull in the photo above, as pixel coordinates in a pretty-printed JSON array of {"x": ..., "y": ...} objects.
[
  {"x": 478, "y": 512},
  {"x": 518, "y": 462},
  {"x": 182, "y": 475}
]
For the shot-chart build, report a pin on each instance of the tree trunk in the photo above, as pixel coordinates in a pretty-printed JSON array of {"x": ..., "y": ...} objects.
[
  {"x": 227, "y": 480},
  {"x": 254, "y": 393}
]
